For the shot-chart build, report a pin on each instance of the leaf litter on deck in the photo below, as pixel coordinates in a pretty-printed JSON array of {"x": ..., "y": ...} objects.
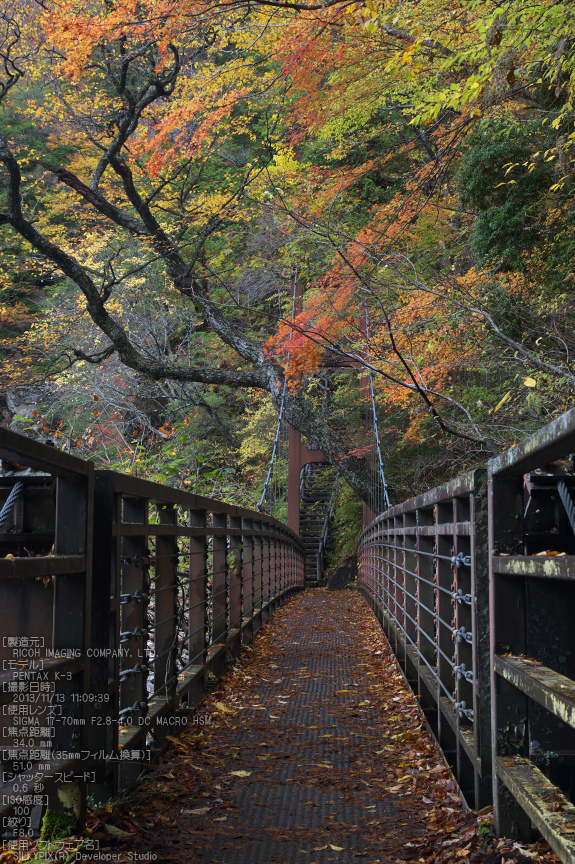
[{"x": 386, "y": 766}]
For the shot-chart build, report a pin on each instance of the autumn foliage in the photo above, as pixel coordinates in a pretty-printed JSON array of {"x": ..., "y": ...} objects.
[{"x": 181, "y": 166}]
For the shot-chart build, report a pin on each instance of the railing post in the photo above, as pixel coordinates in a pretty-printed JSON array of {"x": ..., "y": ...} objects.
[
  {"x": 376, "y": 563},
  {"x": 481, "y": 646},
  {"x": 394, "y": 569},
  {"x": 248, "y": 584},
  {"x": 464, "y": 656},
  {"x": 102, "y": 730},
  {"x": 507, "y": 610},
  {"x": 72, "y": 632},
  {"x": 197, "y": 625},
  {"x": 426, "y": 622},
  {"x": 219, "y": 588},
  {"x": 445, "y": 639},
  {"x": 266, "y": 574},
  {"x": 236, "y": 575},
  {"x": 273, "y": 568},
  {"x": 135, "y": 591},
  {"x": 257, "y": 570},
  {"x": 166, "y": 608},
  {"x": 410, "y": 595}
]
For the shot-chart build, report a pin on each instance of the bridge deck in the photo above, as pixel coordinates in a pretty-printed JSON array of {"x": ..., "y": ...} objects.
[{"x": 314, "y": 752}]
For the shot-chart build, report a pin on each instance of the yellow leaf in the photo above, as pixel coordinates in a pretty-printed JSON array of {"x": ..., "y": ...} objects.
[
  {"x": 530, "y": 382},
  {"x": 336, "y": 848},
  {"x": 241, "y": 773},
  {"x": 176, "y": 741},
  {"x": 116, "y": 832},
  {"x": 502, "y": 402}
]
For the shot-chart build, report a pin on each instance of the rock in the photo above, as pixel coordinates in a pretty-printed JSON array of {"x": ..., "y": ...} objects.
[{"x": 341, "y": 576}]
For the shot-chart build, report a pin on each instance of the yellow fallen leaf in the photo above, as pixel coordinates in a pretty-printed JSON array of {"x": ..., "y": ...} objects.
[
  {"x": 176, "y": 741},
  {"x": 530, "y": 382},
  {"x": 221, "y": 707},
  {"x": 116, "y": 832},
  {"x": 336, "y": 848},
  {"x": 502, "y": 402},
  {"x": 241, "y": 773}
]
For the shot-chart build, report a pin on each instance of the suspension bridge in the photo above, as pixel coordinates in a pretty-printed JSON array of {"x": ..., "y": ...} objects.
[{"x": 125, "y": 602}]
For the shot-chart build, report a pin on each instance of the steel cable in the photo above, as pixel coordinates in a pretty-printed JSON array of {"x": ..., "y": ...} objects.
[
  {"x": 6, "y": 512},
  {"x": 567, "y": 503},
  {"x": 380, "y": 459}
]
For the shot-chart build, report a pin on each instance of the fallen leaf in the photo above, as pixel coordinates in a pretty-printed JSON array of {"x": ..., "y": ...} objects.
[
  {"x": 116, "y": 832},
  {"x": 241, "y": 773},
  {"x": 502, "y": 402},
  {"x": 177, "y": 741}
]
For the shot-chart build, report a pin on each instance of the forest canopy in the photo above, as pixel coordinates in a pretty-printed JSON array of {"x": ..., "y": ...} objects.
[{"x": 173, "y": 174}]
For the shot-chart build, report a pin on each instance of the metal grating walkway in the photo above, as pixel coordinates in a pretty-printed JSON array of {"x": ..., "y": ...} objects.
[{"x": 305, "y": 717}]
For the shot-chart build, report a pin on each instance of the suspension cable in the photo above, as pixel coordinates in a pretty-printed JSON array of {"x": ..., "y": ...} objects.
[
  {"x": 380, "y": 459},
  {"x": 277, "y": 438},
  {"x": 275, "y": 450},
  {"x": 6, "y": 512}
]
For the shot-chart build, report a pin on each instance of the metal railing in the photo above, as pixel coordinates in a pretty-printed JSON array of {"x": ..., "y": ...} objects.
[
  {"x": 121, "y": 602},
  {"x": 474, "y": 583},
  {"x": 422, "y": 565}
]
